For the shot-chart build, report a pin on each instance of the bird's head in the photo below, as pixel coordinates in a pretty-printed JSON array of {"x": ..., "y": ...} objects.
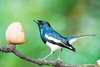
[{"x": 42, "y": 23}]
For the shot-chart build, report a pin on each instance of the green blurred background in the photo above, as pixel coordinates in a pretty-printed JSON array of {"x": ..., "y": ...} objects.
[{"x": 68, "y": 17}]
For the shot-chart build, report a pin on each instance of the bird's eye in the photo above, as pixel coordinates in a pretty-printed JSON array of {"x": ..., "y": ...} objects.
[{"x": 41, "y": 22}]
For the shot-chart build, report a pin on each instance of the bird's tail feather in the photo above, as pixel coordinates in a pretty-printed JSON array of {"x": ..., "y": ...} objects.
[
  {"x": 85, "y": 35},
  {"x": 74, "y": 38},
  {"x": 81, "y": 36}
]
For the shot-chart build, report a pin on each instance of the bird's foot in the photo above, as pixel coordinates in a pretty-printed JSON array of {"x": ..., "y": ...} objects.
[
  {"x": 59, "y": 59},
  {"x": 43, "y": 60}
]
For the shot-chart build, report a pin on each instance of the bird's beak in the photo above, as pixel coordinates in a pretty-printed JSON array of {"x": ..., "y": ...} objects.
[{"x": 36, "y": 21}]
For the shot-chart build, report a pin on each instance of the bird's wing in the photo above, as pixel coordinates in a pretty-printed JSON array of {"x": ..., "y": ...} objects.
[{"x": 57, "y": 39}]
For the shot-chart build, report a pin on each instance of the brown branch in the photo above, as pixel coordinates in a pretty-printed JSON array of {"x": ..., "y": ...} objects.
[{"x": 57, "y": 63}]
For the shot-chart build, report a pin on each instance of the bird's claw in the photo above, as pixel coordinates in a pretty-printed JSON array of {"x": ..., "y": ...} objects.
[
  {"x": 43, "y": 60},
  {"x": 59, "y": 60}
]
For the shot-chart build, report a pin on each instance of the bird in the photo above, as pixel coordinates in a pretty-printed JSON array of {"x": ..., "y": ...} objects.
[{"x": 54, "y": 40}]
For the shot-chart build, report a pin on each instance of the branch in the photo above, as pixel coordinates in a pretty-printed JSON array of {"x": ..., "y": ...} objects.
[{"x": 11, "y": 48}]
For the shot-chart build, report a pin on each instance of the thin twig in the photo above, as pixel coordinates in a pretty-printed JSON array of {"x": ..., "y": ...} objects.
[{"x": 56, "y": 63}]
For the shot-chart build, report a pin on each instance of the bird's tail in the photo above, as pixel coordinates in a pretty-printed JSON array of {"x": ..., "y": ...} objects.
[
  {"x": 81, "y": 36},
  {"x": 74, "y": 38}
]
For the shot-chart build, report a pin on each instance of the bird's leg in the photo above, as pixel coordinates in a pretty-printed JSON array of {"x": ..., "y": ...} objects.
[
  {"x": 48, "y": 55},
  {"x": 59, "y": 55}
]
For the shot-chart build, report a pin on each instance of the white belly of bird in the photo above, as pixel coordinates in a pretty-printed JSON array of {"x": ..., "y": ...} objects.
[{"x": 53, "y": 46}]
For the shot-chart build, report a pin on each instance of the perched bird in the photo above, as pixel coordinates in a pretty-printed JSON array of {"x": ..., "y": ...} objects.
[{"x": 54, "y": 40}]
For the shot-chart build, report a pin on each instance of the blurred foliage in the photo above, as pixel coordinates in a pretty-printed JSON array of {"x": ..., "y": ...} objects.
[{"x": 68, "y": 17}]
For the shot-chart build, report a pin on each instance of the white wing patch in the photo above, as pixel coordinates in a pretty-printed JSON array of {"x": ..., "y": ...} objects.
[
  {"x": 52, "y": 38},
  {"x": 52, "y": 46}
]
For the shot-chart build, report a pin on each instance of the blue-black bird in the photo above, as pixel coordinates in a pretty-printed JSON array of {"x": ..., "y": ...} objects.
[{"x": 54, "y": 40}]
